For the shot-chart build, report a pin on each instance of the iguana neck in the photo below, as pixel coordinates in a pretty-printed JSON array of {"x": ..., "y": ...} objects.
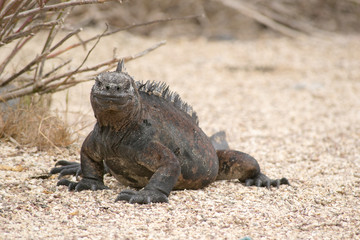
[{"x": 120, "y": 120}]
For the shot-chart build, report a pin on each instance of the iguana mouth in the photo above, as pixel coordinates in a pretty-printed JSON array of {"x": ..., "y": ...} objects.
[{"x": 121, "y": 100}]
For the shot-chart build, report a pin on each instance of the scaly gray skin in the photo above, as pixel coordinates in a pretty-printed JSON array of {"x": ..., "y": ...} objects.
[{"x": 147, "y": 138}]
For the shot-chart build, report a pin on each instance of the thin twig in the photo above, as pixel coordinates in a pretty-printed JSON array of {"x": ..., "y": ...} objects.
[
  {"x": 25, "y": 23},
  {"x": 24, "y": 69},
  {"x": 75, "y": 32},
  {"x": 30, "y": 81},
  {"x": 44, "y": 136},
  {"x": 40, "y": 3},
  {"x": 55, "y": 87},
  {"x": 15, "y": 50},
  {"x": 32, "y": 30},
  {"x": 57, "y": 68},
  {"x": 126, "y": 59},
  {"x": 297, "y": 25},
  {"x": 249, "y": 12},
  {"x": 40, "y": 84},
  {"x": 81, "y": 41},
  {"x": 52, "y": 33},
  {"x": 146, "y": 51},
  {"x": 52, "y": 84},
  {"x": 123, "y": 29},
  {"x": 11, "y": 139},
  {"x": 12, "y": 20},
  {"x": 6, "y": 9},
  {"x": 55, "y": 7},
  {"x": 49, "y": 83},
  {"x": 86, "y": 57}
]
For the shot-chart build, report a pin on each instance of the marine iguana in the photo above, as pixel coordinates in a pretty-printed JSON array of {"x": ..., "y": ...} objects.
[{"x": 149, "y": 139}]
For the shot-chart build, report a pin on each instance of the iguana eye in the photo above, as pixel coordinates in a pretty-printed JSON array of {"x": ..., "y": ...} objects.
[{"x": 127, "y": 85}]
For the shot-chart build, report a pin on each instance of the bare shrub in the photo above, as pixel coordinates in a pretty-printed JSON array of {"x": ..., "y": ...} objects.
[
  {"x": 33, "y": 125},
  {"x": 21, "y": 20}
]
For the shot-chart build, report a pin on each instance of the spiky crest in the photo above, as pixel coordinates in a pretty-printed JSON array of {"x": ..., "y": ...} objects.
[
  {"x": 162, "y": 90},
  {"x": 120, "y": 66}
]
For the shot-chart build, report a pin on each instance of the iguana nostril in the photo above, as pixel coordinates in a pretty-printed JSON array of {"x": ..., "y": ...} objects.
[
  {"x": 107, "y": 87},
  {"x": 118, "y": 88}
]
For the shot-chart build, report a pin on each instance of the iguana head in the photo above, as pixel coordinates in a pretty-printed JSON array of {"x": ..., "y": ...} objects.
[{"x": 114, "y": 98}]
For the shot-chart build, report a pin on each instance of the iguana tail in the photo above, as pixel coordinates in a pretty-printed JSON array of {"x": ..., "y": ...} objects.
[{"x": 219, "y": 142}]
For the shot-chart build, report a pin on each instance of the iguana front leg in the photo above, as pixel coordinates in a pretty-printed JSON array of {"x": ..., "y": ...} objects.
[
  {"x": 92, "y": 171},
  {"x": 163, "y": 162},
  {"x": 65, "y": 168}
]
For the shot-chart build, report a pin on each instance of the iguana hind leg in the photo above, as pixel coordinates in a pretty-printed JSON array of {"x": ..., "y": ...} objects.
[
  {"x": 238, "y": 165},
  {"x": 92, "y": 172}
]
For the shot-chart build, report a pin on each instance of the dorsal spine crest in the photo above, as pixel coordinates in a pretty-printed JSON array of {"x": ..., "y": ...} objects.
[{"x": 162, "y": 90}]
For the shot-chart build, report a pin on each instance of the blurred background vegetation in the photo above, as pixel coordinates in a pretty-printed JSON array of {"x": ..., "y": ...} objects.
[{"x": 221, "y": 19}]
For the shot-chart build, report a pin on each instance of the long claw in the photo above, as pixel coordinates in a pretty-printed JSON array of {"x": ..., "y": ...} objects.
[
  {"x": 65, "y": 163},
  {"x": 268, "y": 184},
  {"x": 64, "y": 172},
  {"x": 66, "y": 168},
  {"x": 258, "y": 182},
  {"x": 78, "y": 173},
  {"x": 284, "y": 181},
  {"x": 249, "y": 182},
  {"x": 142, "y": 197},
  {"x": 276, "y": 183},
  {"x": 262, "y": 180},
  {"x": 63, "y": 182},
  {"x": 72, "y": 186},
  {"x": 125, "y": 195}
]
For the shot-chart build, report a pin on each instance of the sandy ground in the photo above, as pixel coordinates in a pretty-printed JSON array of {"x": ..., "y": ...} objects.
[{"x": 292, "y": 104}]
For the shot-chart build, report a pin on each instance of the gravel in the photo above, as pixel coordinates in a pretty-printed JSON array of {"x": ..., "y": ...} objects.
[{"x": 292, "y": 104}]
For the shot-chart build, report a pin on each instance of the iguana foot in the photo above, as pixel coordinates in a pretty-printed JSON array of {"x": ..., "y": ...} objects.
[
  {"x": 66, "y": 168},
  {"x": 84, "y": 184},
  {"x": 263, "y": 181},
  {"x": 142, "y": 197}
]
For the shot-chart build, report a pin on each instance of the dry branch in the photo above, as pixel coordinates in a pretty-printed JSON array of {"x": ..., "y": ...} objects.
[
  {"x": 60, "y": 82},
  {"x": 135, "y": 25},
  {"x": 17, "y": 24},
  {"x": 55, "y": 7},
  {"x": 28, "y": 32},
  {"x": 248, "y": 11},
  {"x": 303, "y": 27},
  {"x": 24, "y": 69},
  {"x": 18, "y": 46}
]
